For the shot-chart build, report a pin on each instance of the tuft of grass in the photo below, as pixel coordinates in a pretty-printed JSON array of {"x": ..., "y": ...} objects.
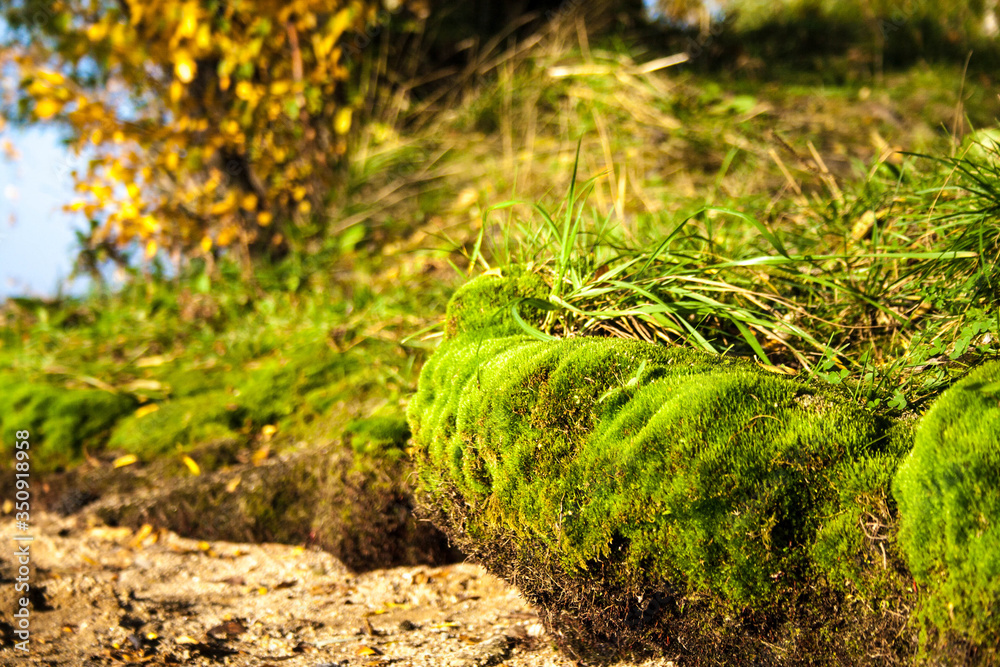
[
  {"x": 164, "y": 366},
  {"x": 905, "y": 286}
]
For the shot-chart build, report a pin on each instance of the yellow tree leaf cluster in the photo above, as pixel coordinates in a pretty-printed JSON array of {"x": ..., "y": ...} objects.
[{"x": 207, "y": 123}]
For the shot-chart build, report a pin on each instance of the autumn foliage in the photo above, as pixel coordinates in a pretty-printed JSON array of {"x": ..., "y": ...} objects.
[{"x": 206, "y": 123}]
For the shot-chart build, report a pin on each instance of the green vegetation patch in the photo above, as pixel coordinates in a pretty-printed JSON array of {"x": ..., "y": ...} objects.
[
  {"x": 176, "y": 425},
  {"x": 948, "y": 491},
  {"x": 63, "y": 421},
  {"x": 707, "y": 484}
]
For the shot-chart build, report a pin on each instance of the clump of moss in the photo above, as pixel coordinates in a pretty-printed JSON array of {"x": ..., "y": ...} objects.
[
  {"x": 62, "y": 421},
  {"x": 177, "y": 424},
  {"x": 484, "y": 305},
  {"x": 948, "y": 491},
  {"x": 704, "y": 485},
  {"x": 384, "y": 435}
]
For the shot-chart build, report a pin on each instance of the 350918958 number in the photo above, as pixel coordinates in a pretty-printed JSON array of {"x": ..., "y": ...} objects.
[{"x": 22, "y": 467}]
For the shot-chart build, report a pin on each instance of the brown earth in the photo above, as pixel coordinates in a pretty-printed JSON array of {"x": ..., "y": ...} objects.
[{"x": 113, "y": 595}]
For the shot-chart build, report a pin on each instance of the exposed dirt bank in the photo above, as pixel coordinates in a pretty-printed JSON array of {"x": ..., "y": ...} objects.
[{"x": 108, "y": 596}]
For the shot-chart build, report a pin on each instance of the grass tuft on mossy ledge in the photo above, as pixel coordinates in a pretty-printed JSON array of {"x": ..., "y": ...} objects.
[{"x": 665, "y": 499}]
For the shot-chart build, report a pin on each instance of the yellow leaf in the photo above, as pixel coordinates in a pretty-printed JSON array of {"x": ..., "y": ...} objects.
[
  {"x": 150, "y": 362},
  {"x": 224, "y": 206},
  {"x": 191, "y": 465},
  {"x": 203, "y": 38},
  {"x": 47, "y": 108},
  {"x": 226, "y": 236},
  {"x": 305, "y": 207},
  {"x": 184, "y": 639},
  {"x": 151, "y": 248},
  {"x": 342, "y": 121},
  {"x": 322, "y": 45},
  {"x": 54, "y": 78},
  {"x": 189, "y": 20},
  {"x": 233, "y": 483},
  {"x": 367, "y": 650},
  {"x": 269, "y": 430},
  {"x": 176, "y": 90},
  {"x": 144, "y": 385},
  {"x": 126, "y": 460},
  {"x": 264, "y": 218},
  {"x": 146, "y": 410},
  {"x": 249, "y": 202},
  {"x": 280, "y": 87},
  {"x": 184, "y": 68},
  {"x": 96, "y": 32},
  {"x": 206, "y": 243},
  {"x": 145, "y": 531},
  {"x": 339, "y": 23},
  {"x": 260, "y": 455},
  {"x": 244, "y": 90},
  {"x": 110, "y": 534}
]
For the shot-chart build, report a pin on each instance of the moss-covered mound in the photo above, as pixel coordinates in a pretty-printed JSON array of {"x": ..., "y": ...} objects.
[
  {"x": 652, "y": 498},
  {"x": 948, "y": 491}
]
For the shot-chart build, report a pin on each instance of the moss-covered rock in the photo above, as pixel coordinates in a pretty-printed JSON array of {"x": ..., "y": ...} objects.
[
  {"x": 948, "y": 491},
  {"x": 666, "y": 499}
]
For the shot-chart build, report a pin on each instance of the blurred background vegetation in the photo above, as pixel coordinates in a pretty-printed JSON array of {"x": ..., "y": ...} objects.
[{"x": 293, "y": 189}]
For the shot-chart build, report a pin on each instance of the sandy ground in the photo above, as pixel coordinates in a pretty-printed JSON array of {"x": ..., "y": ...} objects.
[{"x": 109, "y": 596}]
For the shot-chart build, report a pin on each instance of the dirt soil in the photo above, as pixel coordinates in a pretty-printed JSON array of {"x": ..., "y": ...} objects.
[{"x": 109, "y": 595}]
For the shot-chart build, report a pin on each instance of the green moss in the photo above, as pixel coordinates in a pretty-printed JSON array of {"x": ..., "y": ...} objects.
[
  {"x": 380, "y": 436},
  {"x": 948, "y": 491},
  {"x": 715, "y": 473},
  {"x": 706, "y": 474},
  {"x": 177, "y": 424},
  {"x": 62, "y": 421},
  {"x": 484, "y": 304}
]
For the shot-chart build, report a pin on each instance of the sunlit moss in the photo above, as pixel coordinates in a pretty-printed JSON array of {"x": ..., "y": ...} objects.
[
  {"x": 948, "y": 491},
  {"x": 176, "y": 425},
  {"x": 708, "y": 472},
  {"x": 61, "y": 421}
]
